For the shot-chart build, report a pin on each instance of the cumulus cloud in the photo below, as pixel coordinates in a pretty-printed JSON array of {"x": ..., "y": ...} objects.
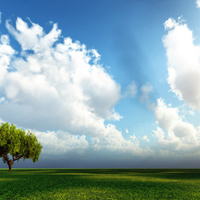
[
  {"x": 198, "y": 3},
  {"x": 6, "y": 54},
  {"x": 58, "y": 89},
  {"x": 127, "y": 131},
  {"x": 60, "y": 142},
  {"x": 57, "y": 82},
  {"x": 183, "y": 58},
  {"x": 115, "y": 141},
  {"x": 173, "y": 132},
  {"x": 55, "y": 143}
]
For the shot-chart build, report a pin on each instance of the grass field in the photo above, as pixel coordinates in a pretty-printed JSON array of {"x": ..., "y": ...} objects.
[{"x": 100, "y": 184}]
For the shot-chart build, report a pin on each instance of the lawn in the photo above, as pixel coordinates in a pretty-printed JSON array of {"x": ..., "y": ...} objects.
[{"x": 99, "y": 184}]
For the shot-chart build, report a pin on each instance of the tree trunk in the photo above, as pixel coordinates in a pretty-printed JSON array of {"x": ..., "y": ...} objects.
[{"x": 10, "y": 163}]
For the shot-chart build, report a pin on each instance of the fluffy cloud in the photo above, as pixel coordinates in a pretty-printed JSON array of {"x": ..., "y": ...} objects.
[
  {"x": 54, "y": 85},
  {"x": 170, "y": 23},
  {"x": 198, "y": 3},
  {"x": 183, "y": 62},
  {"x": 166, "y": 116},
  {"x": 58, "y": 89},
  {"x": 114, "y": 141},
  {"x": 6, "y": 53},
  {"x": 60, "y": 142},
  {"x": 180, "y": 135},
  {"x": 56, "y": 143}
]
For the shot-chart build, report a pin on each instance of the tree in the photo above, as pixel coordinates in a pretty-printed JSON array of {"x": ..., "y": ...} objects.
[{"x": 19, "y": 144}]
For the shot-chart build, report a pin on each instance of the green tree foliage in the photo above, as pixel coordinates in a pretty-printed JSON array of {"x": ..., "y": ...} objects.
[{"x": 18, "y": 144}]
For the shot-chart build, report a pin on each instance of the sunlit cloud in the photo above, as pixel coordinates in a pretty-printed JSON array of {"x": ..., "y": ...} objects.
[
  {"x": 198, "y": 3},
  {"x": 59, "y": 89},
  {"x": 173, "y": 132},
  {"x": 60, "y": 84},
  {"x": 183, "y": 59}
]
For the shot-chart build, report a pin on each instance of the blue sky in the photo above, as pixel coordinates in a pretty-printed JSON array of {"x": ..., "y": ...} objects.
[{"x": 103, "y": 83}]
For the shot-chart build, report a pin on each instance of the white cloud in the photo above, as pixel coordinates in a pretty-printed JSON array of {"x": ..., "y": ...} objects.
[
  {"x": 170, "y": 23},
  {"x": 57, "y": 143},
  {"x": 6, "y": 53},
  {"x": 127, "y": 131},
  {"x": 180, "y": 135},
  {"x": 60, "y": 142},
  {"x": 131, "y": 90},
  {"x": 115, "y": 116},
  {"x": 159, "y": 133},
  {"x": 134, "y": 138},
  {"x": 32, "y": 38},
  {"x": 198, "y": 3},
  {"x": 2, "y": 99},
  {"x": 57, "y": 83},
  {"x": 114, "y": 141},
  {"x": 145, "y": 90},
  {"x": 191, "y": 112},
  {"x": 166, "y": 116},
  {"x": 183, "y": 63},
  {"x": 145, "y": 138},
  {"x": 59, "y": 90}
]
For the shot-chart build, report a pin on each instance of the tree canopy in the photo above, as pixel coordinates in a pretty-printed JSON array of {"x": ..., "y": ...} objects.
[{"x": 18, "y": 143}]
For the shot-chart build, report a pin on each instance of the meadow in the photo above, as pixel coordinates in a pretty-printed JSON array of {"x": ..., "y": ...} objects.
[{"x": 100, "y": 184}]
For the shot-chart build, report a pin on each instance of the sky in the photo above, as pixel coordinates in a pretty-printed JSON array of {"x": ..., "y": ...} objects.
[{"x": 103, "y": 84}]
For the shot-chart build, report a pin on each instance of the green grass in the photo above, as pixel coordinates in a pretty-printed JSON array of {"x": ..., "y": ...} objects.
[{"x": 99, "y": 184}]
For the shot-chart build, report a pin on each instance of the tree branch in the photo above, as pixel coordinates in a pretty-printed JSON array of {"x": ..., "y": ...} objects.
[
  {"x": 5, "y": 156},
  {"x": 17, "y": 158}
]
